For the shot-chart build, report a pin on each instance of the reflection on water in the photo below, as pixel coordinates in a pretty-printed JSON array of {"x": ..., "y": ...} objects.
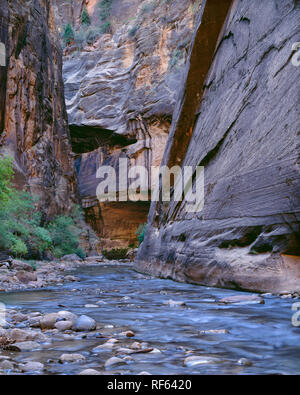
[{"x": 262, "y": 333}]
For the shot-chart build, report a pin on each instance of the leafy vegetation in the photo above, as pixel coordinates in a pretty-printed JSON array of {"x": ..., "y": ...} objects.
[
  {"x": 68, "y": 35},
  {"x": 176, "y": 58},
  {"x": 22, "y": 232},
  {"x": 104, "y": 13},
  {"x": 85, "y": 18},
  {"x": 116, "y": 253},
  {"x": 141, "y": 233}
]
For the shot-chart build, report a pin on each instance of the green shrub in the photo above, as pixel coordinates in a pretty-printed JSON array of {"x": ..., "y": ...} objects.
[
  {"x": 141, "y": 233},
  {"x": 68, "y": 35},
  {"x": 85, "y": 18},
  {"x": 21, "y": 229},
  {"x": 105, "y": 28},
  {"x": 104, "y": 13},
  {"x": 132, "y": 32},
  {"x": 116, "y": 253},
  {"x": 148, "y": 8},
  {"x": 105, "y": 9},
  {"x": 175, "y": 59},
  {"x": 65, "y": 233}
]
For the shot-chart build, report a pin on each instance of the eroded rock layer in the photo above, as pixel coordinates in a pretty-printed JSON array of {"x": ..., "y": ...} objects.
[
  {"x": 33, "y": 119},
  {"x": 243, "y": 127},
  {"x": 121, "y": 87}
]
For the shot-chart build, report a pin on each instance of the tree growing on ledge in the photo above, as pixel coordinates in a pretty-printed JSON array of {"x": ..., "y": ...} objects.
[
  {"x": 85, "y": 18},
  {"x": 68, "y": 34}
]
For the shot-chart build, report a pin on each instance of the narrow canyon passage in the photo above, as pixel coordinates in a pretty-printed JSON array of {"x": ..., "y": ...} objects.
[{"x": 235, "y": 338}]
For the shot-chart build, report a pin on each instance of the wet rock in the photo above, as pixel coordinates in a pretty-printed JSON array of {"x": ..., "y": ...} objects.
[
  {"x": 128, "y": 334},
  {"x": 24, "y": 346},
  {"x": 19, "y": 317},
  {"x": 48, "y": 321},
  {"x": 106, "y": 346},
  {"x": 114, "y": 361},
  {"x": 34, "y": 322},
  {"x": 124, "y": 350},
  {"x": 198, "y": 360},
  {"x": 128, "y": 358},
  {"x": 155, "y": 351},
  {"x": 63, "y": 325},
  {"x": 214, "y": 332},
  {"x": 288, "y": 296},
  {"x": 245, "y": 362},
  {"x": 71, "y": 278},
  {"x": 34, "y": 314},
  {"x": 31, "y": 367},
  {"x": 174, "y": 303},
  {"x": 84, "y": 323},
  {"x": 26, "y": 277},
  {"x": 6, "y": 365},
  {"x": 89, "y": 372},
  {"x": 243, "y": 299},
  {"x": 70, "y": 358},
  {"x": 20, "y": 335},
  {"x": 136, "y": 346},
  {"x": 67, "y": 315}
]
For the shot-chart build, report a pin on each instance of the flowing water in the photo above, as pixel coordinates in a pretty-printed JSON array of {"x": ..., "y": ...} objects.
[{"x": 263, "y": 334}]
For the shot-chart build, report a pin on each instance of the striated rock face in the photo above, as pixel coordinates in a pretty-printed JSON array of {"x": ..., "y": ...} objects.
[
  {"x": 243, "y": 127},
  {"x": 120, "y": 92},
  {"x": 33, "y": 119}
]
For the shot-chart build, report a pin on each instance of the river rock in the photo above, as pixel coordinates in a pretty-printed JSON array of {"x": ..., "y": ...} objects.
[
  {"x": 21, "y": 335},
  {"x": 89, "y": 372},
  {"x": 128, "y": 334},
  {"x": 106, "y": 346},
  {"x": 67, "y": 315},
  {"x": 69, "y": 358},
  {"x": 26, "y": 277},
  {"x": 94, "y": 259},
  {"x": 243, "y": 299},
  {"x": 245, "y": 362},
  {"x": 84, "y": 323},
  {"x": 6, "y": 365},
  {"x": 71, "y": 279},
  {"x": 214, "y": 332},
  {"x": 24, "y": 346},
  {"x": 174, "y": 303},
  {"x": 19, "y": 265},
  {"x": 71, "y": 258},
  {"x": 31, "y": 367},
  {"x": 198, "y": 360},
  {"x": 63, "y": 325},
  {"x": 19, "y": 317},
  {"x": 114, "y": 361},
  {"x": 48, "y": 321}
]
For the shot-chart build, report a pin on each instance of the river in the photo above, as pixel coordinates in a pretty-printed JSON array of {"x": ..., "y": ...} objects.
[{"x": 262, "y": 333}]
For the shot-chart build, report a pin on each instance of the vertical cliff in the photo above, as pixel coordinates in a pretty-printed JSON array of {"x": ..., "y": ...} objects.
[
  {"x": 122, "y": 75},
  {"x": 33, "y": 118},
  {"x": 237, "y": 116}
]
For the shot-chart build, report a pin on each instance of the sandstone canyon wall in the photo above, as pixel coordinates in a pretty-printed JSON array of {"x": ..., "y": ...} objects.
[
  {"x": 121, "y": 91},
  {"x": 238, "y": 116},
  {"x": 33, "y": 119}
]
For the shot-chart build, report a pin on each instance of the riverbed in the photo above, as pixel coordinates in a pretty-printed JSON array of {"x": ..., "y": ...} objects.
[{"x": 261, "y": 334}]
